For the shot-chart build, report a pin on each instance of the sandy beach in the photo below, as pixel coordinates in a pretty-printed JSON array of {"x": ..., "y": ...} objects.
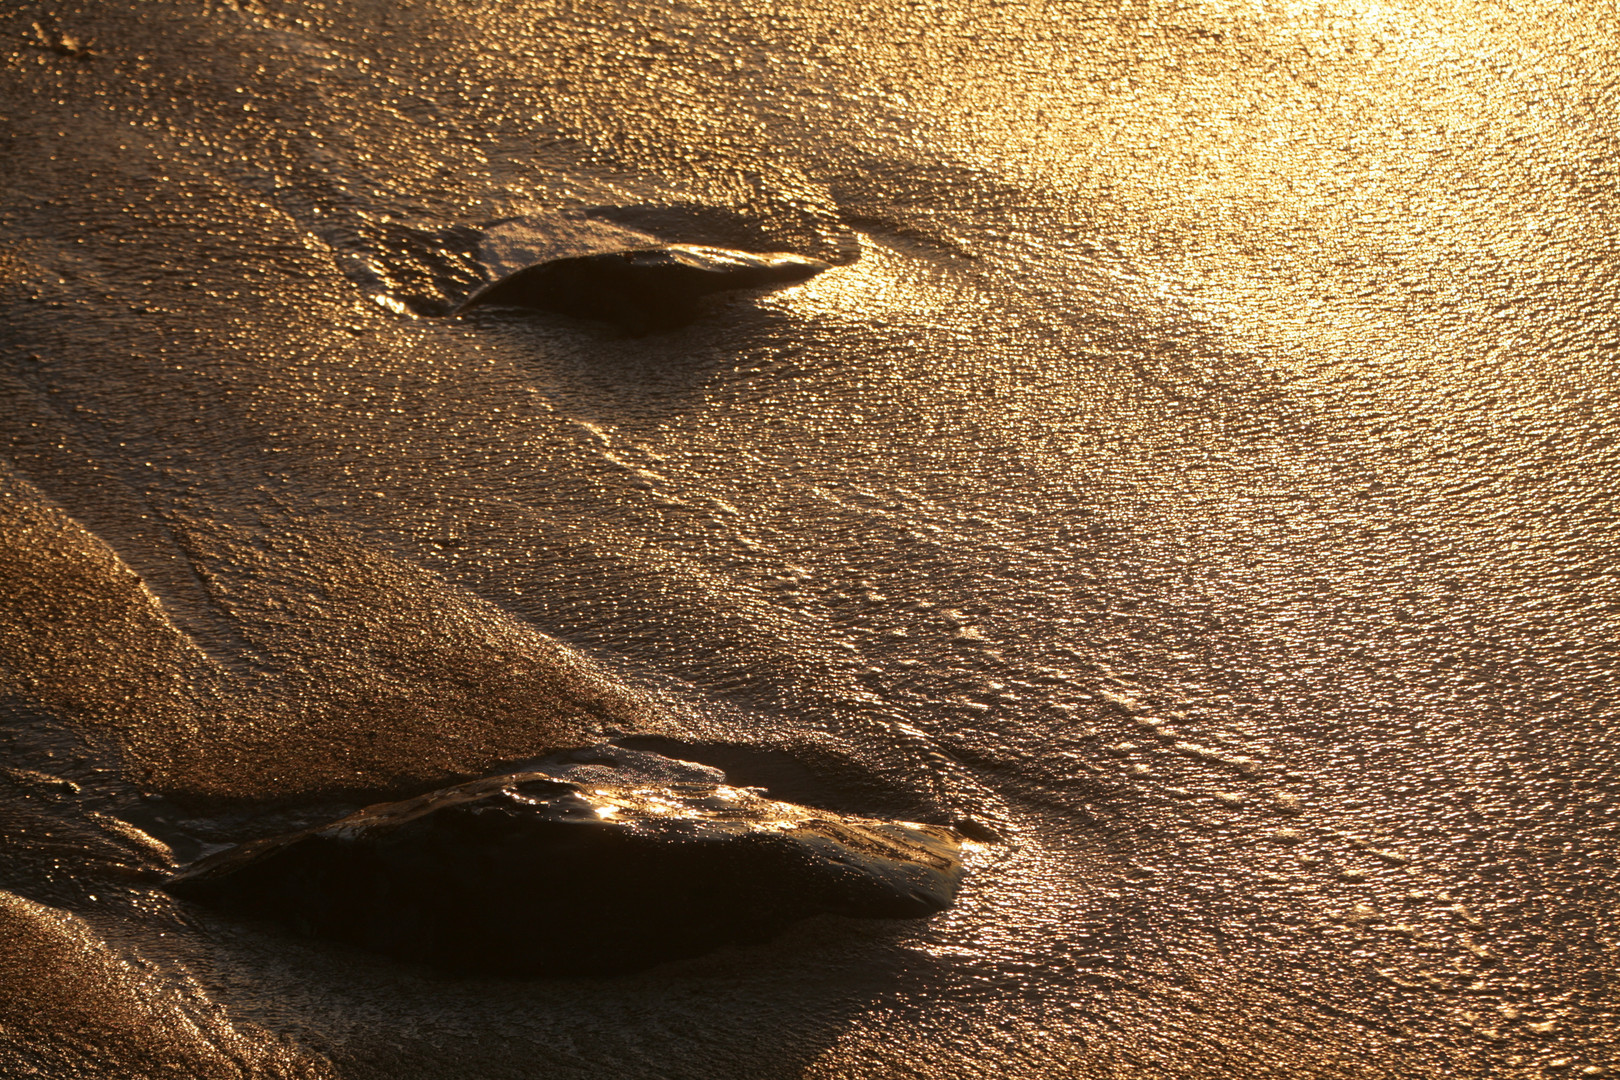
[{"x": 1178, "y": 457}]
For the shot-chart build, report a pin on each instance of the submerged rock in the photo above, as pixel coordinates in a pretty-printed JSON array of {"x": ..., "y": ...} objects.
[
  {"x": 532, "y": 873},
  {"x": 647, "y": 289}
]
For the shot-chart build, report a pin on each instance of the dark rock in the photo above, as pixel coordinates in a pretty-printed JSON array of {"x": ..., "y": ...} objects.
[
  {"x": 428, "y": 269},
  {"x": 530, "y": 873},
  {"x": 648, "y": 289},
  {"x": 48, "y": 36}
]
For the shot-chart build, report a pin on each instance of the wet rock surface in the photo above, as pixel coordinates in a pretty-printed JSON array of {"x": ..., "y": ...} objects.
[
  {"x": 555, "y": 871},
  {"x": 652, "y": 289},
  {"x": 608, "y": 261}
]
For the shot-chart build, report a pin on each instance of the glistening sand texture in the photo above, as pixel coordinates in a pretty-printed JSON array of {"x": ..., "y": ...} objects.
[{"x": 1205, "y": 476}]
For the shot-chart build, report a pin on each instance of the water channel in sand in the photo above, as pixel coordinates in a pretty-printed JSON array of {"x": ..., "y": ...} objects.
[{"x": 1195, "y": 475}]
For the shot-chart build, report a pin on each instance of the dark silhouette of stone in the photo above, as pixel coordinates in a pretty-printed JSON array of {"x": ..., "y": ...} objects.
[
  {"x": 50, "y": 37},
  {"x": 649, "y": 289},
  {"x": 532, "y": 874}
]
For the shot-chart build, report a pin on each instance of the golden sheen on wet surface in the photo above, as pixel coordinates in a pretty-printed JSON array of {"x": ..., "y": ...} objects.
[{"x": 1197, "y": 470}]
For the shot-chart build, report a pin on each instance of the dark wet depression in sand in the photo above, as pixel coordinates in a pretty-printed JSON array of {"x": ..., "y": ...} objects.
[{"x": 1191, "y": 486}]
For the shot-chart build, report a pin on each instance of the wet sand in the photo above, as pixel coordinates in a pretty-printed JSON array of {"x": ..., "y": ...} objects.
[{"x": 1196, "y": 470}]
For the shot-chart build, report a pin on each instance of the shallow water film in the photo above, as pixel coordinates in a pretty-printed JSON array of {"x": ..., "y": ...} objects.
[{"x": 1190, "y": 481}]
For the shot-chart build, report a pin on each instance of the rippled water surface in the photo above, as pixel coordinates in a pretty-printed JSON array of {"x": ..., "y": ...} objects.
[{"x": 1195, "y": 475}]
